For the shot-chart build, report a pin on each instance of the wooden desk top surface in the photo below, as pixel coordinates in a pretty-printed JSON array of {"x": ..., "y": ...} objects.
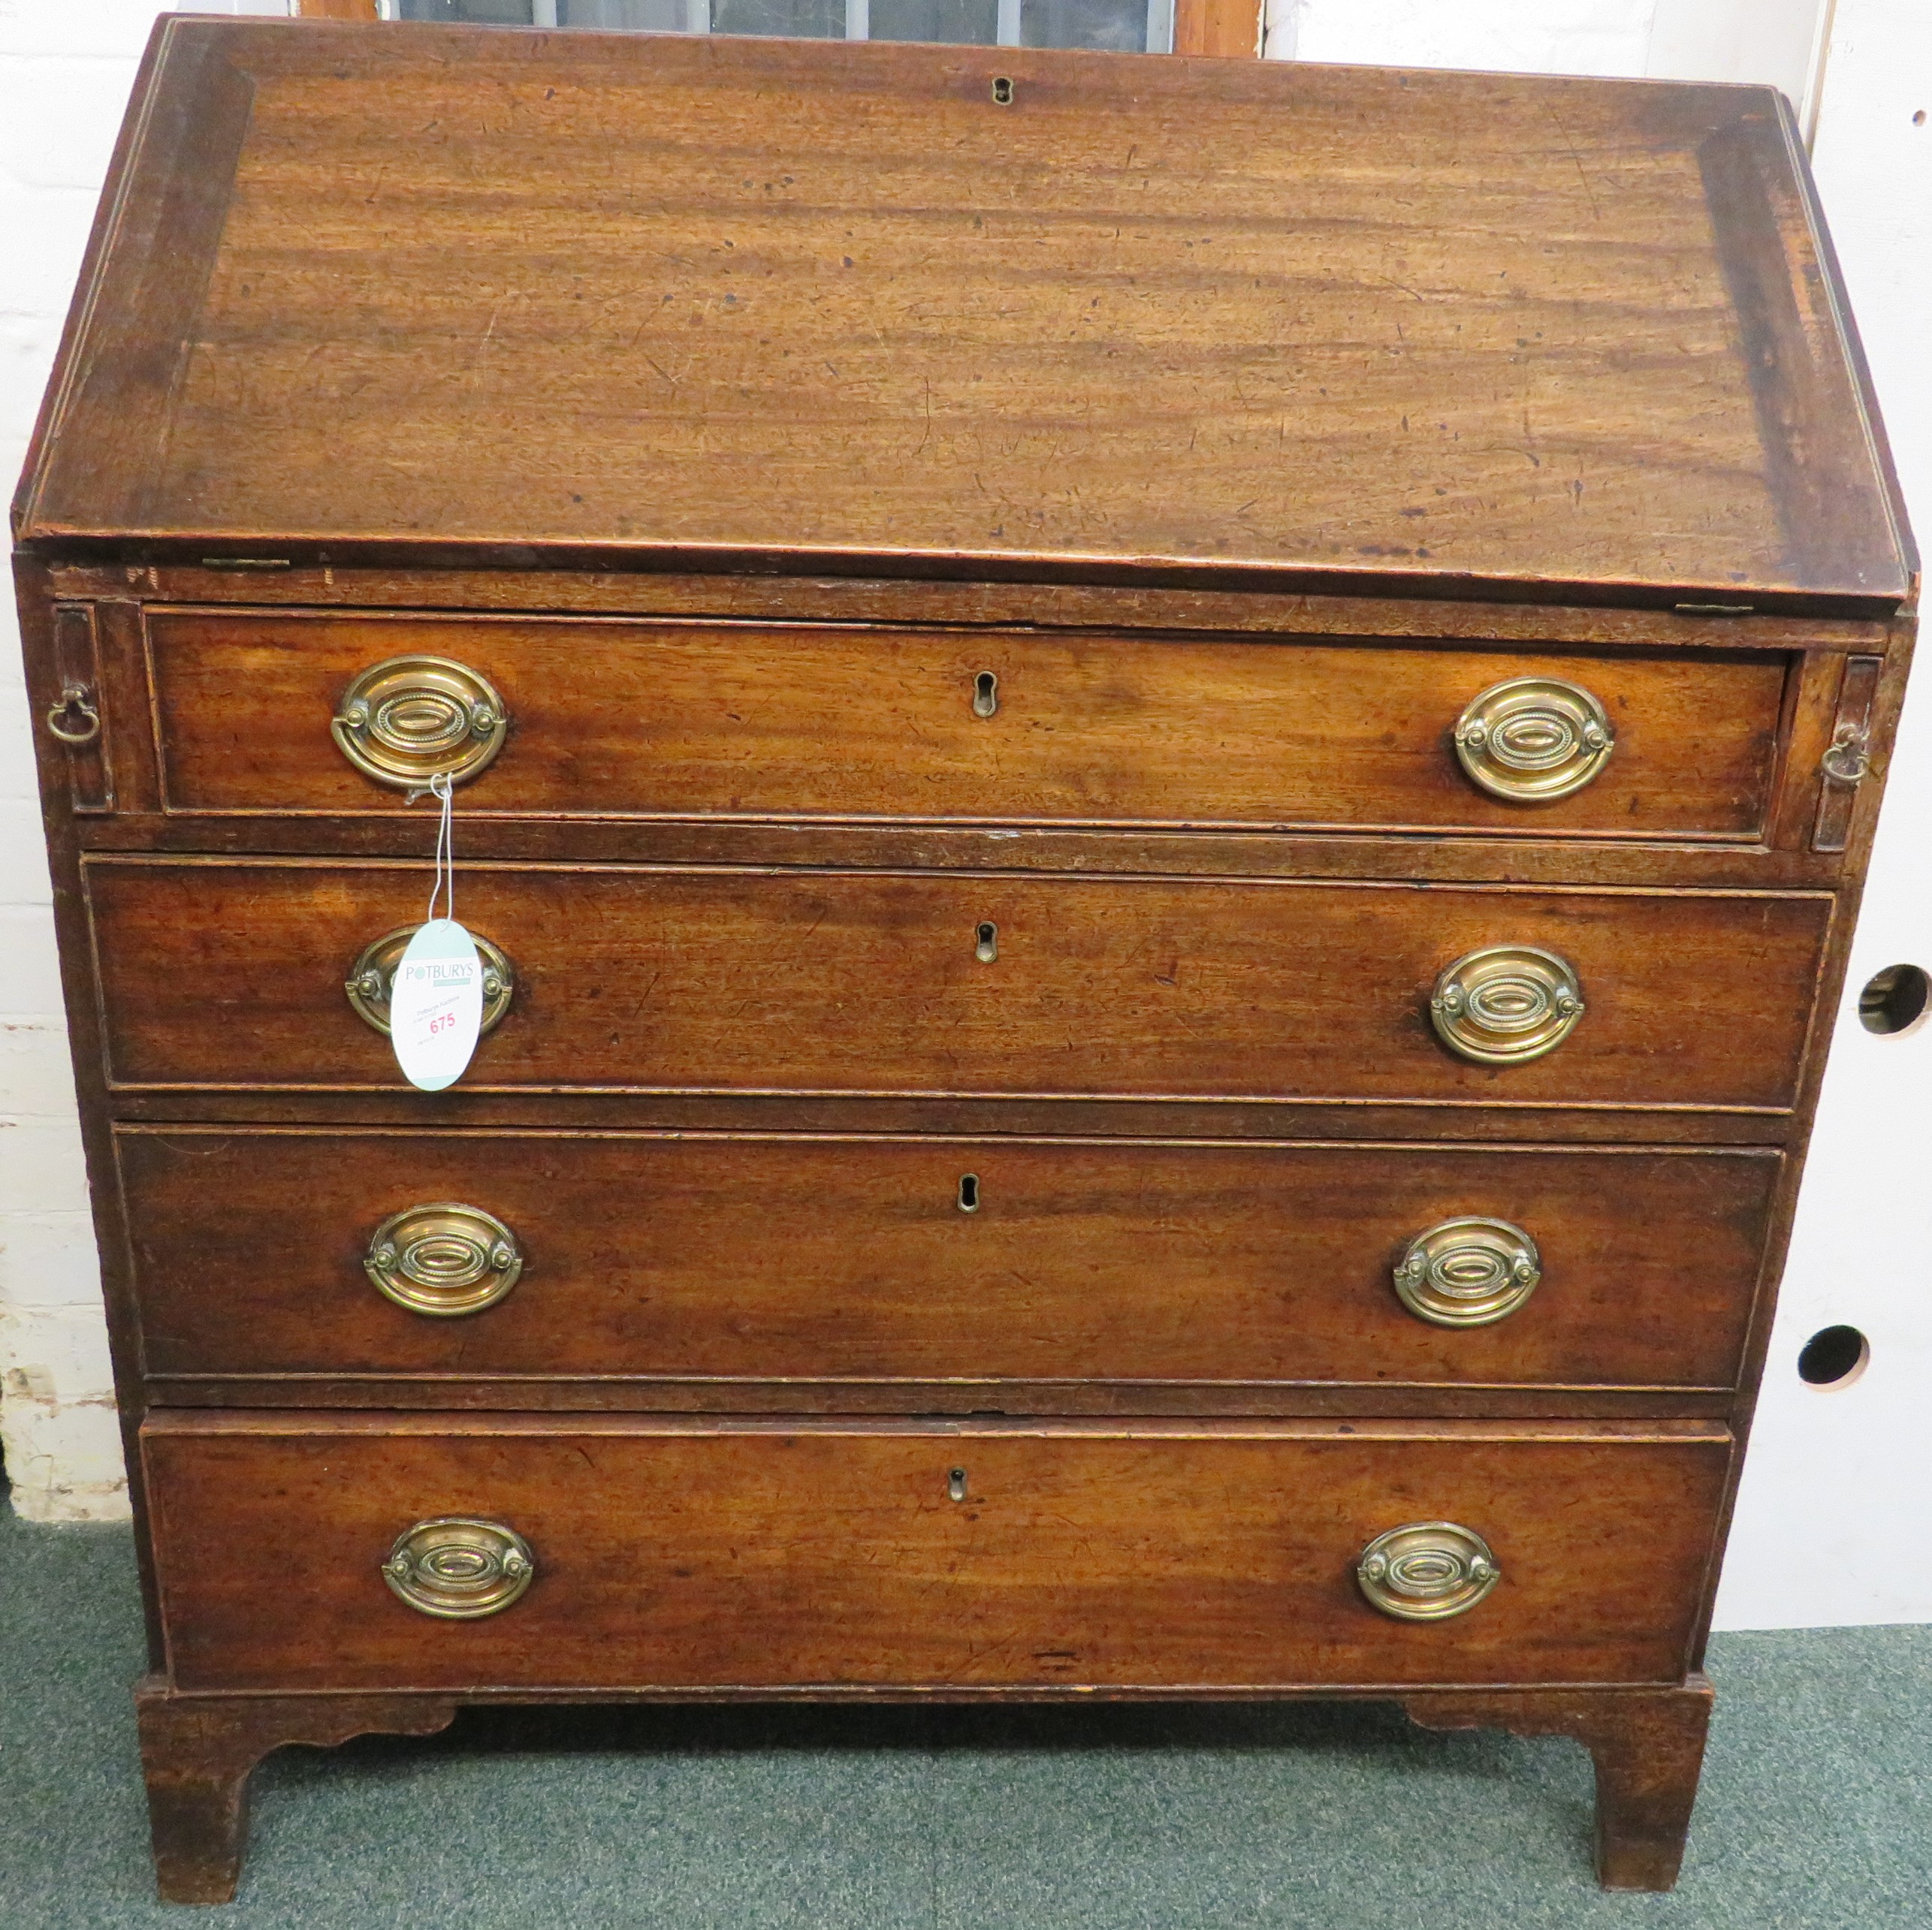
[{"x": 665, "y": 302}]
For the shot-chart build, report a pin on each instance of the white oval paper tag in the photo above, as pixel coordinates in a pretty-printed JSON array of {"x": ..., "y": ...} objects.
[{"x": 436, "y": 1005}]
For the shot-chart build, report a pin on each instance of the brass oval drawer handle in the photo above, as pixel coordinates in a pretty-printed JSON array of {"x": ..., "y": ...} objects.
[
  {"x": 1468, "y": 1273},
  {"x": 443, "y": 1258},
  {"x": 458, "y": 1568},
  {"x": 1427, "y": 1571},
  {"x": 1506, "y": 1004},
  {"x": 374, "y": 974},
  {"x": 403, "y": 721},
  {"x": 1533, "y": 739}
]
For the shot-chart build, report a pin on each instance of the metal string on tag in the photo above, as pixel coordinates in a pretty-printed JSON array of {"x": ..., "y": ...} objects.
[{"x": 442, "y": 884}]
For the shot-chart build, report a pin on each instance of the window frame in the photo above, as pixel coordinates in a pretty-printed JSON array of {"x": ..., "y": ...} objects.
[{"x": 1227, "y": 29}]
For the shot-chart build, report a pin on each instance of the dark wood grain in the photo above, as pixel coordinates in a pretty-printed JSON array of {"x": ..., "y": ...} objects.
[
  {"x": 601, "y": 1108},
  {"x": 1240, "y": 317},
  {"x": 217, "y": 974},
  {"x": 796, "y": 1259},
  {"x": 617, "y": 720},
  {"x": 1130, "y": 1554},
  {"x": 1442, "y": 608}
]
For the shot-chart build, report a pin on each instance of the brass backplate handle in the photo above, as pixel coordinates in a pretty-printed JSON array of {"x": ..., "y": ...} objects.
[
  {"x": 1506, "y": 1004},
  {"x": 372, "y": 976},
  {"x": 1468, "y": 1272},
  {"x": 1534, "y": 739},
  {"x": 443, "y": 1258},
  {"x": 1426, "y": 1571},
  {"x": 407, "y": 719},
  {"x": 457, "y": 1568}
]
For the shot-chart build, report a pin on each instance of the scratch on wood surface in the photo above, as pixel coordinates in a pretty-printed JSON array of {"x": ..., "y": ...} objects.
[{"x": 1582, "y": 174}]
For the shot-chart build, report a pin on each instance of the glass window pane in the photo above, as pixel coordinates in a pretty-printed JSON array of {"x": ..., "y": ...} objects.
[
  {"x": 624, "y": 16},
  {"x": 478, "y": 13},
  {"x": 1110, "y": 26},
  {"x": 956, "y": 23},
  {"x": 1113, "y": 26},
  {"x": 802, "y": 20}
]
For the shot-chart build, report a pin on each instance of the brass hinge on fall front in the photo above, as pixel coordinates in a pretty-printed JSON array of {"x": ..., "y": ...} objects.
[{"x": 1847, "y": 762}]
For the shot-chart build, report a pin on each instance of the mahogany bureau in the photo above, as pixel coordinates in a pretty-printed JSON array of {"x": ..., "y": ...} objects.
[{"x": 1165, "y": 764}]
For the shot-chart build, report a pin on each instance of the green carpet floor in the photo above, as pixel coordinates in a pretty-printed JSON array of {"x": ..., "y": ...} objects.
[{"x": 1816, "y": 1811}]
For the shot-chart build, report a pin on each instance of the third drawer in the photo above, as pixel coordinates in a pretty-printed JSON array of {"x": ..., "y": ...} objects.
[{"x": 660, "y": 1256}]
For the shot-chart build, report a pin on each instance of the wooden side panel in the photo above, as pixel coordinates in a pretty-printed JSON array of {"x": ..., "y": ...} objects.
[
  {"x": 805, "y": 1258},
  {"x": 231, "y": 973},
  {"x": 615, "y": 720},
  {"x": 737, "y": 1556}
]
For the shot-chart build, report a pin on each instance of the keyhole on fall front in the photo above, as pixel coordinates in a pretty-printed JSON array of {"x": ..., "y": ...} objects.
[
  {"x": 969, "y": 1192},
  {"x": 985, "y": 694},
  {"x": 986, "y": 943},
  {"x": 955, "y": 1484}
]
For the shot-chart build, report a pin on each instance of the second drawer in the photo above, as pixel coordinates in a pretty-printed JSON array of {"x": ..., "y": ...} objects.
[
  {"x": 746, "y": 1257},
  {"x": 236, "y": 973}
]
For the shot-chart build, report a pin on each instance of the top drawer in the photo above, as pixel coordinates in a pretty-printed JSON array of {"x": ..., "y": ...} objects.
[{"x": 621, "y": 718}]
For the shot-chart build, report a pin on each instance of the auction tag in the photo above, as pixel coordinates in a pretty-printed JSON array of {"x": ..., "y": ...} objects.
[{"x": 436, "y": 1005}]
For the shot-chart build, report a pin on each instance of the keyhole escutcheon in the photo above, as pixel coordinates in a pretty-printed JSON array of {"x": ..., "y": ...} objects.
[
  {"x": 985, "y": 694},
  {"x": 955, "y": 1484},
  {"x": 986, "y": 943},
  {"x": 969, "y": 1192}
]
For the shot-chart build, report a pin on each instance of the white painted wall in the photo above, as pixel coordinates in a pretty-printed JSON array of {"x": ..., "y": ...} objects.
[
  {"x": 1775, "y": 42},
  {"x": 1832, "y": 1521},
  {"x": 1832, "y": 1495},
  {"x": 1524, "y": 36},
  {"x": 65, "y": 69}
]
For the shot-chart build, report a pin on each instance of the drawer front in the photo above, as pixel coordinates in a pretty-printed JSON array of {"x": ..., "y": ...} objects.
[
  {"x": 611, "y": 718},
  {"x": 835, "y": 1555},
  {"x": 928, "y": 1259},
  {"x": 217, "y": 972}
]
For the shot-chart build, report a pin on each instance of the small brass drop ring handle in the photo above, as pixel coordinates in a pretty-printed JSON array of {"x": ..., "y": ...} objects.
[
  {"x": 75, "y": 700},
  {"x": 1468, "y": 1272},
  {"x": 409, "y": 719},
  {"x": 373, "y": 975},
  {"x": 1426, "y": 1571},
  {"x": 444, "y": 1259},
  {"x": 1848, "y": 761},
  {"x": 1534, "y": 739},
  {"x": 458, "y": 1568},
  {"x": 1506, "y": 1004}
]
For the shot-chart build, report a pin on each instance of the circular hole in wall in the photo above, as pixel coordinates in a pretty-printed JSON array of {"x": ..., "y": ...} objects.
[
  {"x": 1894, "y": 1000},
  {"x": 1832, "y": 1357}
]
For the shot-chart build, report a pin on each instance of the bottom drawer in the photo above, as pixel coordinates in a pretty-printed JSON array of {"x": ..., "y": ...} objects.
[{"x": 687, "y": 1554}]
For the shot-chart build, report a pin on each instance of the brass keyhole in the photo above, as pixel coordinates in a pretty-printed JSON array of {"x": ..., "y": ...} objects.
[
  {"x": 969, "y": 1192},
  {"x": 955, "y": 1484},
  {"x": 986, "y": 943},
  {"x": 1003, "y": 92},
  {"x": 985, "y": 694}
]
